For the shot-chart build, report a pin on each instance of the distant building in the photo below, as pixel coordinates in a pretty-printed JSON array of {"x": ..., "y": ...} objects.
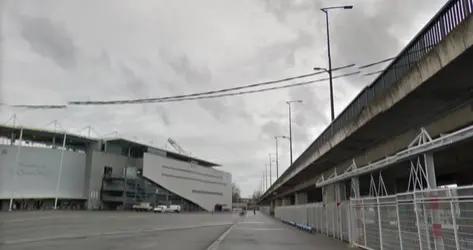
[{"x": 88, "y": 173}]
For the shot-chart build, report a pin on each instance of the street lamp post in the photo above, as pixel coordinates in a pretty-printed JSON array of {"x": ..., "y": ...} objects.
[
  {"x": 325, "y": 10},
  {"x": 290, "y": 126},
  {"x": 270, "y": 173},
  {"x": 277, "y": 153}
]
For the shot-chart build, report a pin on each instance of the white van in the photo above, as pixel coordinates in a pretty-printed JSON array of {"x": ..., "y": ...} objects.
[
  {"x": 143, "y": 206},
  {"x": 169, "y": 209},
  {"x": 160, "y": 209},
  {"x": 173, "y": 208}
]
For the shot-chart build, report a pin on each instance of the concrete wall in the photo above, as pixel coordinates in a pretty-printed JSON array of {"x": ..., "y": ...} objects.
[
  {"x": 204, "y": 186},
  {"x": 36, "y": 173}
]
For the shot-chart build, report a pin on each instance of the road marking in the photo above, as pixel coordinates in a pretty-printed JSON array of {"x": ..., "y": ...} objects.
[
  {"x": 252, "y": 222},
  {"x": 38, "y": 218},
  {"x": 215, "y": 245},
  {"x": 261, "y": 228},
  {"x": 112, "y": 233}
]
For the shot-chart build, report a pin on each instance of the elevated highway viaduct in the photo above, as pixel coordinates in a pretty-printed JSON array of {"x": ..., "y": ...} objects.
[{"x": 411, "y": 129}]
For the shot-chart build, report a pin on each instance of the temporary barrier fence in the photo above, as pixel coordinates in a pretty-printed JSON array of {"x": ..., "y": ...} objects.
[{"x": 425, "y": 219}]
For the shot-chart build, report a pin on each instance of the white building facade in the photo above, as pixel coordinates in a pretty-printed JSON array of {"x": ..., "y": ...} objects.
[{"x": 41, "y": 169}]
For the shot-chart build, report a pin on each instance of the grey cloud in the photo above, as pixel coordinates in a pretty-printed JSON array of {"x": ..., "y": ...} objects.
[
  {"x": 271, "y": 129},
  {"x": 192, "y": 73},
  {"x": 315, "y": 107},
  {"x": 284, "y": 51},
  {"x": 283, "y": 8},
  {"x": 217, "y": 108},
  {"x": 133, "y": 82},
  {"x": 226, "y": 111},
  {"x": 164, "y": 115},
  {"x": 50, "y": 40}
]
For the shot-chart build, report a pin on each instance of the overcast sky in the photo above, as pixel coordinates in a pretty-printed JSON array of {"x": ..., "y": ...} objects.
[{"x": 52, "y": 52}]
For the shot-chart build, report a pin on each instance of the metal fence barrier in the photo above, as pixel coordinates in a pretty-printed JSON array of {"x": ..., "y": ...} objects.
[{"x": 428, "y": 219}]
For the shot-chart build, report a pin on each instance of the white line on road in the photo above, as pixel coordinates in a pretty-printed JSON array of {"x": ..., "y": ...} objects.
[
  {"x": 252, "y": 222},
  {"x": 260, "y": 228},
  {"x": 216, "y": 243}
]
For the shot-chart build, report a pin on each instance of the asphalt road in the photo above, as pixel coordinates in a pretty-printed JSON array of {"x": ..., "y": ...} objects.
[{"x": 110, "y": 230}]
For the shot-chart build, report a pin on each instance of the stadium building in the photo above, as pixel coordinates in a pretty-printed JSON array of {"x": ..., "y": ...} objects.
[{"x": 44, "y": 169}]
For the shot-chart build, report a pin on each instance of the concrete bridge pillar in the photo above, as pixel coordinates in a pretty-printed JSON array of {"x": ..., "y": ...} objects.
[
  {"x": 430, "y": 170},
  {"x": 355, "y": 187},
  {"x": 300, "y": 198}
]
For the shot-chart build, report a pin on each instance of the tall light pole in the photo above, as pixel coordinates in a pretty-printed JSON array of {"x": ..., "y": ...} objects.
[
  {"x": 325, "y": 10},
  {"x": 290, "y": 126},
  {"x": 270, "y": 173},
  {"x": 277, "y": 154},
  {"x": 266, "y": 176}
]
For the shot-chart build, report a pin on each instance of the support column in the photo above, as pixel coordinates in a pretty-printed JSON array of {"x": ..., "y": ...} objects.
[
  {"x": 58, "y": 183},
  {"x": 439, "y": 243},
  {"x": 430, "y": 170},
  {"x": 355, "y": 187},
  {"x": 15, "y": 169}
]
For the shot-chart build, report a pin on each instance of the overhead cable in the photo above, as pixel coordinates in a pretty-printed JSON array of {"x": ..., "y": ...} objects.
[
  {"x": 157, "y": 100},
  {"x": 207, "y": 92}
]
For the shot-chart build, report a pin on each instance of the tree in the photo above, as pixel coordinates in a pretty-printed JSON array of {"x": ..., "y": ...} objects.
[{"x": 235, "y": 193}]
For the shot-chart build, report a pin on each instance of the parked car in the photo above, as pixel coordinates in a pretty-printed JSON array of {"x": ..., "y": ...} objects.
[
  {"x": 160, "y": 209},
  {"x": 173, "y": 208},
  {"x": 143, "y": 206}
]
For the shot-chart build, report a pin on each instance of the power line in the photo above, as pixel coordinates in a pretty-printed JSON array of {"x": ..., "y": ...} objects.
[
  {"x": 157, "y": 100},
  {"x": 203, "y": 93},
  {"x": 376, "y": 63},
  {"x": 32, "y": 106},
  {"x": 187, "y": 98},
  {"x": 209, "y": 94}
]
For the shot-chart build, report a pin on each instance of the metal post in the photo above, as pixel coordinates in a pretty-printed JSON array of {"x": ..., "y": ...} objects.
[
  {"x": 266, "y": 175},
  {"x": 338, "y": 202},
  {"x": 270, "y": 172},
  {"x": 277, "y": 158},
  {"x": 454, "y": 221},
  {"x": 417, "y": 220},
  {"x": 364, "y": 222},
  {"x": 332, "y": 112},
  {"x": 58, "y": 183},
  {"x": 379, "y": 224},
  {"x": 333, "y": 212},
  {"x": 290, "y": 132},
  {"x": 15, "y": 168},
  {"x": 399, "y": 224},
  {"x": 350, "y": 238}
]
